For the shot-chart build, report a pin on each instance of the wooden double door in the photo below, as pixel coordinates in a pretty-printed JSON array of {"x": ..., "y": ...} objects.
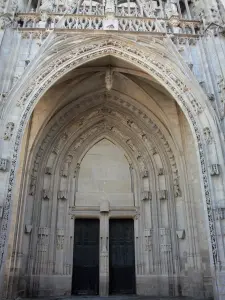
[{"x": 86, "y": 257}]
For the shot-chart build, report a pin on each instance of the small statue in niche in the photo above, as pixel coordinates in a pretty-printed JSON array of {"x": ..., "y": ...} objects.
[{"x": 171, "y": 8}]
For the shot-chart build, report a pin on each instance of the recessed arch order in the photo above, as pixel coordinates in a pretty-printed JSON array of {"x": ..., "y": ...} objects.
[{"x": 151, "y": 60}]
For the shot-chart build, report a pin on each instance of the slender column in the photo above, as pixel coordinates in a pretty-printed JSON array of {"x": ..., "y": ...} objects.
[{"x": 104, "y": 249}]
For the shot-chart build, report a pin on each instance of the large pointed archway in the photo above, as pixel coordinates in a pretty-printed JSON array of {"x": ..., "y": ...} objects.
[{"x": 152, "y": 63}]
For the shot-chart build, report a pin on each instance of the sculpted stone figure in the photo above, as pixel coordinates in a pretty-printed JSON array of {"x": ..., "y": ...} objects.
[{"x": 46, "y": 6}]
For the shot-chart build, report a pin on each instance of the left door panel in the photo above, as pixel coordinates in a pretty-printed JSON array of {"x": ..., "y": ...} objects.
[{"x": 86, "y": 257}]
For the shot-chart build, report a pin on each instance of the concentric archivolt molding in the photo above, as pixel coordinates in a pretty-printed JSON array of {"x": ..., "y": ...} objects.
[
  {"x": 115, "y": 117},
  {"x": 179, "y": 88}
]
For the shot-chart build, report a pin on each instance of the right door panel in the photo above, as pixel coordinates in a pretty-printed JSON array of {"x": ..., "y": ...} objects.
[{"x": 121, "y": 256}]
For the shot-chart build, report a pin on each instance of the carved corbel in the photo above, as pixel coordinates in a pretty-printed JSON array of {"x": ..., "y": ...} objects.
[
  {"x": 28, "y": 228},
  {"x": 146, "y": 196},
  {"x": 160, "y": 171},
  {"x": 3, "y": 164},
  {"x": 62, "y": 195},
  {"x": 181, "y": 234},
  {"x": 48, "y": 170},
  {"x": 46, "y": 194},
  {"x": 215, "y": 169},
  {"x": 163, "y": 195}
]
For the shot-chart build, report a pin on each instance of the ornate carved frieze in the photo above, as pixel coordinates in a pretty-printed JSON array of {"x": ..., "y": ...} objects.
[
  {"x": 9, "y": 131},
  {"x": 4, "y": 164}
]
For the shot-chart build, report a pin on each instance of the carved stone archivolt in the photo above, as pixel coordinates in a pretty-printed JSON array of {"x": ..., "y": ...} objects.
[{"x": 164, "y": 73}]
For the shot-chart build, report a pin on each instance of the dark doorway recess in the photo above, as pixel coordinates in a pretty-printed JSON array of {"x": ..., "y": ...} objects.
[
  {"x": 121, "y": 256},
  {"x": 85, "y": 279}
]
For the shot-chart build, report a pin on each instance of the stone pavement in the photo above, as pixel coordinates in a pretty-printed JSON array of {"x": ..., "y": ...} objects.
[{"x": 118, "y": 297}]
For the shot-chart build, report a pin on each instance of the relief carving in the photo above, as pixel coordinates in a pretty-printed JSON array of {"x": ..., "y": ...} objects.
[
  {"x": 162, "y": 195},
  {"x": 9, "y": 131},
  {"x": 215, "y": 169},
  {"x": 3, "y": 164},
  {"x": 208, "y": 135}
]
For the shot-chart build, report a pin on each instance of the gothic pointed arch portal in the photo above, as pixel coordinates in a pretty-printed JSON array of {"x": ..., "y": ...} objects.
[{"x": 116, "y": 103}]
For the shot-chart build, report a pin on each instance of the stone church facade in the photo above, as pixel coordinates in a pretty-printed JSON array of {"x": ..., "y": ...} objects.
[{"x": 112, "y": 174}]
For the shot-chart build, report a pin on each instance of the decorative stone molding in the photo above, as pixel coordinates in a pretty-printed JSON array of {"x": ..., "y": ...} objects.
[
  {"x": 4, "y": 164},
  {"x": 9, "y": 131},
  {"x": 162, "y": 195},
  {"x": 181, "y": 234}
]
